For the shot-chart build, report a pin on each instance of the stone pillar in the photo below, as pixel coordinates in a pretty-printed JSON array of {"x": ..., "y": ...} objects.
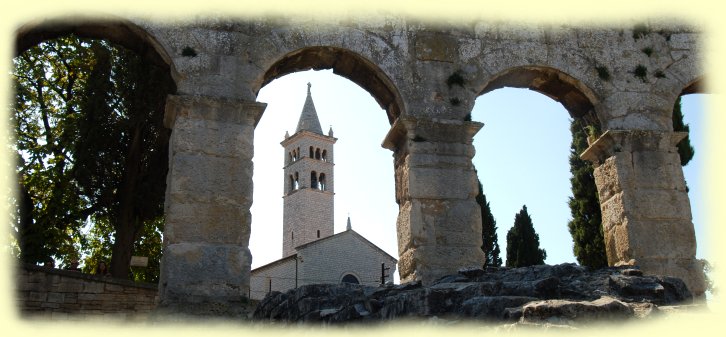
[
  {"x": 206, "y": 263},
  {"x": 646, "y": 213},
  {"x": 439, "y": 221}
]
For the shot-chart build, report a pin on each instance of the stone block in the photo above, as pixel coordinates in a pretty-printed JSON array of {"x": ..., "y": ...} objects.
[
  {"x": 198, "y": 270},
  {"x": 55, "y": 297},
  {"x": 661, "y": 239},
  {"x": 430, "y": 262},
  {"x": 198, "y": 177},
  {"x": 613, "y": 175},
  {"x": 689, "y": 270},
  {"x": 436, "y": 47},
  {"x": 617, "y": 243},
  {"x": 30, "y": 286},
  {"x": 658, "y": 170},
  {"x": 93, "y": 287},
  {"x": 645, "y": 204},
  {"x": 211, "y": 223},
  {"x": 612, "y": 212},
  {"x": 88, "y": 297},
  {"x": 213, "y": 138},
  {"x": 200, "y": 64},
  {"x": 110, "y": 287},
  {"x": 412, "y": 228},
  {"x": 437, "y": 183},
  {"x": 683, "y": 41},
  {"x": 37, "y": 296},
  {"x": 70, "y": 285}
]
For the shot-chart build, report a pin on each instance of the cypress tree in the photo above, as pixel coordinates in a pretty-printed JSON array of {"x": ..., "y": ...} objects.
[
  {"x": 490, "y": 244},
  {"x": 586, "y": 224},
  {"x": 685, "y": 149},
  {"x": 523, "y": 242}
]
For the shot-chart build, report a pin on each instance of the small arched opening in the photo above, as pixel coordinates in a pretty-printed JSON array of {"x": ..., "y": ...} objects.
[
  {"x": 350, "y": 278},
  {"x": 314, "y": 180}
]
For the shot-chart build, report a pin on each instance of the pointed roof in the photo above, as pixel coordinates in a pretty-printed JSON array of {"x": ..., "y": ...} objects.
[{"x": 309, "y": 117}]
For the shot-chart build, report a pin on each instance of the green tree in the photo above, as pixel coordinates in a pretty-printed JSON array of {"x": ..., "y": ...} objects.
[
  {"x": 92, "y": 154},
  {"x": 490, "y": 244},
  {"x": 47, "y": 80},
  {"x": 586, "y": 224},
  {"x": 523, "y": 242},
  {"x": 685, "y": 149},
  {"x": 122, "y": 146}
]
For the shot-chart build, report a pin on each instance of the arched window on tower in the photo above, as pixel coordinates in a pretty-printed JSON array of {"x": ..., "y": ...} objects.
[
  {"x": 311, "y": 152},
  {"x": 322, "y": 182},
  {"x": 317, "y": 154},
  {"x": 325, "y": 155},
  {"x": 292, "y": 184},
  {"x": 314, "y": 180},
  {"x": 296, "y": 184},
  {"x": 318, "y": 234}
]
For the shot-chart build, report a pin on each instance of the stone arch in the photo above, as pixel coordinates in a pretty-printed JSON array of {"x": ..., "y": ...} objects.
[
  {"x": 345, "y": 63},
  {"x": 573, "y": 94},
  {"x": 122, "y": 32}
]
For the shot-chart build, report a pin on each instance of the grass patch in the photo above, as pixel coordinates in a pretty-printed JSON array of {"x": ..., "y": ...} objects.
[
  {"x": 641, "y": 72},
  {"x": 639, "y": 31},
  {"x": 647, "y": 51},
  {"x": 603, "y": 73},
  {"x": 455, "y": 79}
]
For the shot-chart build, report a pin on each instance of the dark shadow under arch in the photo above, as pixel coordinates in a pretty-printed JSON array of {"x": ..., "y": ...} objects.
[
  {"x": 346, "y": 64},
  {"x": 696, "y": 87},
  {"x": 578, "y": 99}
]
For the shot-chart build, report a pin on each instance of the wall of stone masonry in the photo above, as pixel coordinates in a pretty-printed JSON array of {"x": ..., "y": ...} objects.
[{"x": 62, "y": 294}]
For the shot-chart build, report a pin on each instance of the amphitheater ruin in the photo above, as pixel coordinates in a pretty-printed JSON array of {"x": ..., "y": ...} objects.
[{"x": 426, "y": 77}]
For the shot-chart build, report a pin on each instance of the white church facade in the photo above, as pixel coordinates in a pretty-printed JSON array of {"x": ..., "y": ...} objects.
[{"x": 312, "y": 253}]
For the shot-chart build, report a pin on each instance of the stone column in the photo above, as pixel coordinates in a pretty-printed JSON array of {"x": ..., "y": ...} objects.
[
  {"x": 206, "y": 263},
  {"x": 646, "y": 213},
  {"x": 439, "y": 221}
]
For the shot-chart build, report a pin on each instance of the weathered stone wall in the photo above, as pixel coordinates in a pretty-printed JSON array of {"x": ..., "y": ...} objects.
[{"x": 62, "y": 294}]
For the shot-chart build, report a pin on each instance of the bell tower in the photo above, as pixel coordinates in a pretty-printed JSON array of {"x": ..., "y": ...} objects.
[{"x": 308, "y": 173}]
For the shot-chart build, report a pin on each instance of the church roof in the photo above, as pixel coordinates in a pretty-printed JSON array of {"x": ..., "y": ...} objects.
[
  {"x": 309, "y": 117},
  {"x": 347, "y": 232}
]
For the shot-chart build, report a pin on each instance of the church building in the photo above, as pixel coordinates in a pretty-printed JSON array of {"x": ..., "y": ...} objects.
[{"x": 311, "y": 252}]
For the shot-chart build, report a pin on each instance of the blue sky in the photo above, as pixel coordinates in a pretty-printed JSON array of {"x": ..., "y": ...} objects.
[{"x": 521, "y": 157}]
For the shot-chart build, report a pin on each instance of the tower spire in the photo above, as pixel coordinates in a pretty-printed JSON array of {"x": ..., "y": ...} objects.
[
  {"x": 309, "y": 117},
  {"x": 348, "y": 226}
]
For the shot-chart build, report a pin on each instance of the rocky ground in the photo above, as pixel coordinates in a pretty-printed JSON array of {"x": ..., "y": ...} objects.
[{"x": 565, "y": 294}]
